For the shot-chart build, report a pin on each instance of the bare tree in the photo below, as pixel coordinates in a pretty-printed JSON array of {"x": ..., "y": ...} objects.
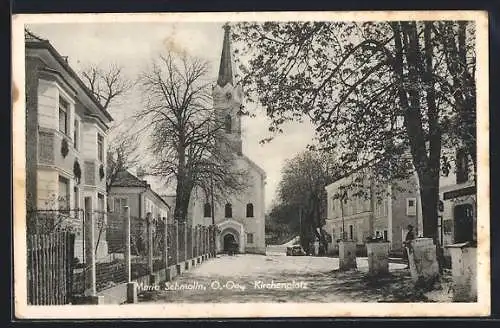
[
  {"x": 121, "y": 155},
  {"x": 108, "y": 85},
  {"x": 187, "y": 136}
]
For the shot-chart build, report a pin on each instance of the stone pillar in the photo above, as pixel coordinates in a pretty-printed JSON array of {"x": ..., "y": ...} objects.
[
  {"x": 464, "y": 272},
  {"x": 422, "y": 258},
  {"x": 378, "y": 257},
  {"x": 347, "y": 255}
]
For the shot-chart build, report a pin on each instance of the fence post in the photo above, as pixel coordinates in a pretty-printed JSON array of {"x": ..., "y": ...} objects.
[
  {"x": 185, "y": 241},
  {"x": 89, "y": 250},
  {"x": 176, "y": 242},
  {"x": 165, "y": 242},
  {"x": 131, "y": 286},
  {"x": 197, "y": 240},
  {"x": 149, "y": 227}
]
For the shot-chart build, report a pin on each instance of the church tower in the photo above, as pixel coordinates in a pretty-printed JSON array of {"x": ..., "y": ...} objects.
[{"x": 227, "y": 96}]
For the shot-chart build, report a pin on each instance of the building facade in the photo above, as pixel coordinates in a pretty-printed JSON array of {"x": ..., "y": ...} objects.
[
  {"x": 66, "y": 134},
  {"x": 457, "y": 194},
  {"x": 351, "y": 208},
  {"x": 66, "y": 142},
  {"x": 240, "y": 219}
]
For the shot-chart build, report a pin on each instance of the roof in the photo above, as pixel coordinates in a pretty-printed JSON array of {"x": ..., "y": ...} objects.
[
  {"x": 225, "y": 68},
  {"x": 33, "y": 41},
  {"x": 127, "y": 179}
]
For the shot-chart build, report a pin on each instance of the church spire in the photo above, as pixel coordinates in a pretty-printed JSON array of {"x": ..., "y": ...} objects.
[{"x": 225, "y": 68}]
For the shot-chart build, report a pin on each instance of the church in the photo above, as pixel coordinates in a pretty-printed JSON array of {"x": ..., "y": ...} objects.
[{"x": 240, "y": 219}]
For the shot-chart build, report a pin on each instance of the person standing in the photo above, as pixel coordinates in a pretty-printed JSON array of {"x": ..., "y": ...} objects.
[{"x": 410, "y": 235}]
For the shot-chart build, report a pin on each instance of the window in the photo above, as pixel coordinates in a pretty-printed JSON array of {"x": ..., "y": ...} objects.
[
  {"x": 250, "y": 238},
  {"x": 63, "y": 193},
  {"x": 119, "y": 203},
  {"x": 351, "y": 232},
  {"x": 76, "y": 131},
  {"x": 411, "y": 206},
  {"x": 100, "y": 202},
  {"x": 227, "y": 123},
  {"x": 207, "y": 210},
  {"x": 100, "y": 147},
  {"x": 249, "y": 210},
  {"x": 462, "y": 166},
  {"x": 228, "y": 211},
  {"x": 63, "y": 115},
  {"x": 385, "y": 235}
]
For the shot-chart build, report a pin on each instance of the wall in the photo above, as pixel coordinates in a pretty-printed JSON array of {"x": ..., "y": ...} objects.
[
  {"x": 400, "y": 220},
  {"x": 132, "y": 195},
  {"x": 253, "y": 194},
  {"x": 31, "y": 89}
]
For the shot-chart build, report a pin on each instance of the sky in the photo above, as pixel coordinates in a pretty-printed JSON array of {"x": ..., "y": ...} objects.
[{"x": 134, "y": 46}]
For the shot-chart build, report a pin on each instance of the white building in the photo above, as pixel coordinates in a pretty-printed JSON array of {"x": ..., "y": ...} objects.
[
  {"x": 240, "y": 218},
  {"x": 66, "y": 136},
  {"x": 393, "y": 209}
]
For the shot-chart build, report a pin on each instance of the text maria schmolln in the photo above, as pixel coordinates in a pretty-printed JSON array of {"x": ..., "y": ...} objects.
[{"x": 218, "y": 285}]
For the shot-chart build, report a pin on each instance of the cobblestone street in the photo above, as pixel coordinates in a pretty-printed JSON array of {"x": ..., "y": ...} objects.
[{"x": 279, "y": 278}]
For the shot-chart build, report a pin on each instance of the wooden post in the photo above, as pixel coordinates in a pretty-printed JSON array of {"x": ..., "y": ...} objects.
[
  {"x": 128, "y": 273},
  {"x": 165, "y": 242},
  {"x": 89, "y": 250},
  {"x": 149, "y": 227}
]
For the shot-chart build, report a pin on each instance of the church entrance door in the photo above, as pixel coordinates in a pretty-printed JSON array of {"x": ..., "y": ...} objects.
[{"x": 230, "y": 245}]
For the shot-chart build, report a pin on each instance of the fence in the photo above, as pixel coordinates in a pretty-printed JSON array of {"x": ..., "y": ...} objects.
[
  {"x": 106, "y": 249},
  {"x": 54, "y": 241}
]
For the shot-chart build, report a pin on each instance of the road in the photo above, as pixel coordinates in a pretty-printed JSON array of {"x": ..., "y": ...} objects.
[{"x": 278, "y": 278}]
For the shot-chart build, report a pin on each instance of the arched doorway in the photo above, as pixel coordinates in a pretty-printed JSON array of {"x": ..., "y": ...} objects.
[{"x": 229, "y": 243}]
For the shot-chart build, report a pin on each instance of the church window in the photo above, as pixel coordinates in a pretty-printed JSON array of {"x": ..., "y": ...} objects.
[
  {"x": 228, "y": 210},
  {"x": 249, "y": 210},
  {"x": 207, "y": 210},
  {"x": 227, "y": 123}
]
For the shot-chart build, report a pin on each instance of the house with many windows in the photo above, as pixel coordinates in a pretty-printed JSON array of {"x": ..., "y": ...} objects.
[
  {"x": 66, "y": 134},
  {"x": 66, "y": 140},
  {"x": 355, "y": 201}
]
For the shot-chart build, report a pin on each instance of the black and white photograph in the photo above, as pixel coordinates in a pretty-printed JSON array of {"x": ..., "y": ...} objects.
[{"x": 251, "y": 164}]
